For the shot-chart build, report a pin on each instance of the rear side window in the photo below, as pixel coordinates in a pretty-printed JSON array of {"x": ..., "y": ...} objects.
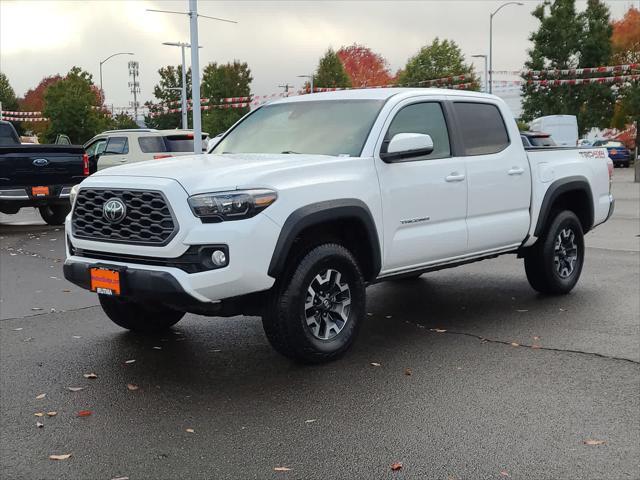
[
  {"x": 424, "y": 118},
  {"x": 153, "y": 144},
  {"x": 8, "y": 135},
  {"x": 482, "y": 128},
  {"x": 182, "y": 143},
  {"x": 117, "y": 146}
]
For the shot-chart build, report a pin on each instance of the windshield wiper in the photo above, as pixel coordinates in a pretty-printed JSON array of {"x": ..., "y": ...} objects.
[{"x": 291, "y": 152}]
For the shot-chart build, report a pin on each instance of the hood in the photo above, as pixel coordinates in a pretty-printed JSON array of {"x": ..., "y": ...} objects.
[{"x": 210, "y": 173}]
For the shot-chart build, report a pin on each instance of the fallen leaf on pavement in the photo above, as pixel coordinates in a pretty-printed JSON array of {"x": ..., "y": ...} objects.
[
  {"x": 35, "y": 309},
  {"x": 51, "y": 414},
  {"x": 190, "y": 430},
  {"x": 76, "y": 336},
  {"x": 311, "y": 420},
  {"x": 594, "y": 442},
  {"x": 522, "y": 311},
  {"x": 59, "y": 457},
  {"x": 388, "y": 316},
  {"x": 157, "y": 348},
  {"x": 375, "y": 364},
  {"x": 536, "y": 337},
  {"x": 39, "y": 414},
  {"x": 39, "y": 425},
  {"x": 84, "y": 413},
  {"x": 41, "y": 396},
  {"x": 132, "y": 386},
  {"x": 514, "y": 344},
  {"x": 408, "y": 371},
  {"x": 90, "y": 375},
  {"x": 281, "y": 469},
  {"x": 504, "y": 473},
  {"x": 535, "y": 347},
  {"x": 75, "y": 389},
  {"x": 17, "y": 329},
  {"x": 396, "y": 466},
  {"x": 437, "y": 330},
  {"x": 120, "y": 478},
  {"x": 129, "y": 361},
  {"x": 66, "y": 291}
]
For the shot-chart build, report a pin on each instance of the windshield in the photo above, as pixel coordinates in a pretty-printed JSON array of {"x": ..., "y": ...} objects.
[
  {"x": 607, "y": 143},
  {"x": 542, "y": 142},
  {"x": 330, "y": 127}
]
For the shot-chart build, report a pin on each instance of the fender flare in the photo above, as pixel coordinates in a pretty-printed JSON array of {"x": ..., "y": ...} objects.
[
  {"x": 321, "y": 212},
  {"x": 560, "y": 187}
]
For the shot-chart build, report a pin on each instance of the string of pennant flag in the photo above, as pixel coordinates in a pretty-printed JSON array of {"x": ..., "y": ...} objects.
[{"x": 570, "y": 71}]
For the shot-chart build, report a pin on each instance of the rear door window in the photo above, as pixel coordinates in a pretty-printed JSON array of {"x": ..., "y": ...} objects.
[
  {"x": 182, "y": 143},
  {"x": 482, "y": 128},
  {"x": 117, "y": 146},
  {"x": 152, "y": 144},
  {"x": 426, "y": 118}
]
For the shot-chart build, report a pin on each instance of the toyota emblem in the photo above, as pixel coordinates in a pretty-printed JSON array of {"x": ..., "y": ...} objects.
[{"x": 114, "y": 210}]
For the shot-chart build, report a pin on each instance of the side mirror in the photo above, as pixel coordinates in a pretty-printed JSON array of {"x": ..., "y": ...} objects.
[{"x": 406, "y": 145}]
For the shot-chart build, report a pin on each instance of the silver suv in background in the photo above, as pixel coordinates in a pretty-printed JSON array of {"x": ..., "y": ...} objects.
[{"x": 119, "y": 147}]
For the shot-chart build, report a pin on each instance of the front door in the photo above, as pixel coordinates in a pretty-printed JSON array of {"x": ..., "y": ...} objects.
[
  {"x": 424, "y": 199},
  {"x": 115, "y": 153}
]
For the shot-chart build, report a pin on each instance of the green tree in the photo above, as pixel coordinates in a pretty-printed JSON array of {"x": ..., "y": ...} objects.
[
  {"x": 166, "y": 92},
  {"x": 439, "y": 59},
  {"x": 224, "y": 81},
  {"x": 123, "y": 121},
  {"x": 330, "y": 72},
  {"x": 8, "y": 98},
  {"x": 556, "y": 45},
  {"x": 73, "y": 107},
  {"x": 596, "y": 100}
]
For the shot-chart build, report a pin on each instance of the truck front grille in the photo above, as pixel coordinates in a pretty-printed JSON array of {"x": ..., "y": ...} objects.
[{"x": 147, "y": 218}]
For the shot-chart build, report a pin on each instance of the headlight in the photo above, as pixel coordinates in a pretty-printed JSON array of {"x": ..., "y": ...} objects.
[
  {"x": 73, "y": 194},
  {"x": 235, "y": 205}
]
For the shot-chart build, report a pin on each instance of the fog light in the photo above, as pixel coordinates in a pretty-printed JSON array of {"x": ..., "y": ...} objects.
[{"x": 219, "y": 258}]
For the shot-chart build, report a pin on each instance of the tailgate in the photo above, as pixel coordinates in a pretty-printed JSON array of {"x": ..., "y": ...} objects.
[{"x": 35, "y": 165}]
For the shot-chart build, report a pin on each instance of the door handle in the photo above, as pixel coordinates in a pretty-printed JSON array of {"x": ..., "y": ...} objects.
[
  {"x": 454, "y": 177},
  {"x": 516, "y": 171},
  {"x": 123, "y": 160}
]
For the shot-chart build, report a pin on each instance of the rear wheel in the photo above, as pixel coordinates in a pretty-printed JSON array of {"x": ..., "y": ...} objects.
[
  {"x": 315, "y": 312},
  {"x": 54, "y": 214},
  {"x": 139, "y": 317},
  {"x": 554, "y": 263}
]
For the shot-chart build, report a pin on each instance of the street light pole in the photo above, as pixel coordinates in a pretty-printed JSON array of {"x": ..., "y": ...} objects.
[
  {"x": 105, "y": 61},
  {"x": 183, "y": 94},
  {"x": 486, "y": 71},
  {"x": 310, "y": 77},
  {"x": 493, "y": 14}
]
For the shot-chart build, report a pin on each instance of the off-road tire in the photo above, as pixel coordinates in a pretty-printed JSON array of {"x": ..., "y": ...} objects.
[
  {"x": 285, "y": 318},
  {"x": 138, "y": 317},
  {"x": 54, "y": 214},
  {"x": 540, "y": 262}
]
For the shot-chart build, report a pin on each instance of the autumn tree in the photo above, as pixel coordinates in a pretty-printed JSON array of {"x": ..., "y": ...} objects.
[
  {"x": 73, "y": 106},
  {"x": 166, "y": 93},
  {"x": 122, "y": 121},
  {"x": 33, "y": 101},
  {"x": 330, "y": 72},
  {"x": 440, "y": 59},
  {"x": 224, "y": 81},
  {"x": 364, "y": 67}
]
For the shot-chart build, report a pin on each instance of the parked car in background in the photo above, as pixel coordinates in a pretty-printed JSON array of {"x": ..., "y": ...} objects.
[
  {"x": 536, "y": 139},
  {"x": 118, "y": 147},
  {"x": 585, "y": 142},
  {"x": 308, "y": 199},
  {"x": 39, "y": 176},
  {"x": 562, "y": 128},
  {"x": 618, "y": 153}
]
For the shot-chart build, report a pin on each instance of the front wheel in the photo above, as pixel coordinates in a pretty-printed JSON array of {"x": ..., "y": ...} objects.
[
  {"x": 54, "y": 214},
  {"x": 314, "y": 313},
  {"x": 554, "y": 263},
  {"x": 139, "y": 317}
]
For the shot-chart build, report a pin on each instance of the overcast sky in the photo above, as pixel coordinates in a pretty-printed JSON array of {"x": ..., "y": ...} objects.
[{"x": 279, "y": 40}]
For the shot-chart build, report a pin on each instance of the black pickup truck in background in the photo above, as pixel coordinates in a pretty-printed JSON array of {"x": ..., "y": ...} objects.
[{"x": 39, "y": 176}]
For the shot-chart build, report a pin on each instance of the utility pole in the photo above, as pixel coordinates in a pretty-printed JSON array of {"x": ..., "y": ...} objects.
[
  {"x": 286, "y": 87},
  {"x": 486, "y": 72},
  {"x": 135, "y": 87},
  {"x": 493, "y": 14},
  {"x": 183, "y": 94}
]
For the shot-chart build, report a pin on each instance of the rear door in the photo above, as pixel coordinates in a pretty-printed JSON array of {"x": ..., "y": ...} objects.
[
  {"x": 424, "y": 199},
  {"x": 498, "y": 175},
  {"x": 115, "y": 152}
]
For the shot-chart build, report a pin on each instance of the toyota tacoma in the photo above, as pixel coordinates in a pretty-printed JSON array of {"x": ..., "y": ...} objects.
[{"x": 308, "y": 200}]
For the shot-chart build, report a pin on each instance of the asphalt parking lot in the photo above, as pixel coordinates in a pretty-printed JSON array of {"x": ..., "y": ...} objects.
[{"x": 463, "y": 374}]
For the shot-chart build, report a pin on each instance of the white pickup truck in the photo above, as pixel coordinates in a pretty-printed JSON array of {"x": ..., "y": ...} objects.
[{"x": 307, "y": 200}]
